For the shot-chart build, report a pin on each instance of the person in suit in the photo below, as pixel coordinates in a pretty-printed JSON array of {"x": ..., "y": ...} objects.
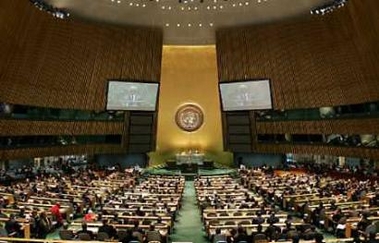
[
  {"x": 272, "y": 219},
  {"x": 241, "y": 235},
  {"x": 13, "y": 228},
  {"x": 219, "y": 236},
  {"x": 109, "y": 229},
  {"x": 258, "y": 219},
  {"x": 44, "y": 225},
  {"x": 152, "y": 234},
  {"x": 85, "y": 230}
]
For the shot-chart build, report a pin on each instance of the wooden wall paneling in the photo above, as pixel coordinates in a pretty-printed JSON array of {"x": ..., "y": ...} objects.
[
  {"x": 359, "y": 152},
  {"x": 126, "y": 128},
  {"x": 339, "y": 126},
  {"x": 89, "y": 149},
  {"x": 26, "y": 128},
  {"x": 313, "y": 61},
  {"x": 66, "y": 63}
]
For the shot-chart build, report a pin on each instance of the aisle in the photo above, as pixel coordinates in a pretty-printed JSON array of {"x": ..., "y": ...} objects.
[{"x": 188, "y": 227}]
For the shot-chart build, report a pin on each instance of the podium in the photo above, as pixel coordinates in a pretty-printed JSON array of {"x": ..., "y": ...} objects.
[{"x": 189, "y": 158}]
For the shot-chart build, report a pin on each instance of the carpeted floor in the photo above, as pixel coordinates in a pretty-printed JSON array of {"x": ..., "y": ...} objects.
[{"x": 188, "y": 227}]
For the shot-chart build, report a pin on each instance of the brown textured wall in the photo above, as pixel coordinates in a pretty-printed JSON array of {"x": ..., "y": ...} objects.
[
  {"x": 312, "y": 61},
  {"x": 64, "y": 63},
  {"x": 22, "y": 127},
  {"x": 339, "y": 126},
  {"x": 58, "y": 63},
  {"x": 60, "y": 150}
]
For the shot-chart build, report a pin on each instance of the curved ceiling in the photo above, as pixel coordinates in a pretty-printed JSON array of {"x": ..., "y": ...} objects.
[{"x": 186, "y": 22}]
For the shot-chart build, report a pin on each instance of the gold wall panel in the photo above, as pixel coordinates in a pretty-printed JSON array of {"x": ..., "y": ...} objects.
[{"x": 189, "y": 75}]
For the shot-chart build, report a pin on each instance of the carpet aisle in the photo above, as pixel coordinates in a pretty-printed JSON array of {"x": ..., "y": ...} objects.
[{"x": 188, "y": 227}]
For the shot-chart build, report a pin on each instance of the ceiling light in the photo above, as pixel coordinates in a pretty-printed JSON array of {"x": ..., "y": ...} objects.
[{"x": 167, "y": 24}]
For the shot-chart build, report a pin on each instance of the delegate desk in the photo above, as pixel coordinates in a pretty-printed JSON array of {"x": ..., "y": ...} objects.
[{"x": 94, "y": 227}]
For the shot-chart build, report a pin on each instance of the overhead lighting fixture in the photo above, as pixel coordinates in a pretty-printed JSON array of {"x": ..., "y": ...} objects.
[
  {"x": 56, "y": 12},
  {"x": 329, "y": 7}
]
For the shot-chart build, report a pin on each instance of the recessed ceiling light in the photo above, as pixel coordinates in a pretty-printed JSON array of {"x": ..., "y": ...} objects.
[
  {"x": 221, "y": 7},
  {"x": 195, "y": 8},
  {"x": 178, "y": 25},
  {"x": 130, "y": 4},
  {"x": 167, "y": 24},
  {"x": 163, "y": 7},
  {"x": 118, "y": 1},
  {"x": 234, "y": 4},
  {"x": 200, "y": 25},
  {"x": 246, "y": 3},
  {"x": 189, "y": 25},
  {"x": 169, "y": 7},
  {"x": 143, "y": 5},
  {"x": 210, "y": 24},
  {"x": 208, "y": 7},
  {"x": 137, "y": 4}
]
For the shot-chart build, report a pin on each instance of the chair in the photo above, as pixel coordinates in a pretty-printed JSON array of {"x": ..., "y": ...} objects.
[
  {"x": 260, "y": 237},
  {"x": 245, "y": 222},
  {"x": 84, "y": 236},
  {"x": 237, "y": 214},
  {"x": 102, "y": 236},
  {"x": 66, "y": 234},
  {"x": 121, "y": 234},
  {"x": 230, "y": 223},
  {"x": 214, "y": 222},
  {"x": 224, "y": 214}
]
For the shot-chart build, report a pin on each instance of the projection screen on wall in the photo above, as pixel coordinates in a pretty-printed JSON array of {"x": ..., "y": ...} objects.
[
  {"x": 246, "y": 95},
  {"x": 132, "y": 96}
]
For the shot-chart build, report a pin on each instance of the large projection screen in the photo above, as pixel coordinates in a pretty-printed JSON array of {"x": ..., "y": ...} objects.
[
  {"x": 246, "y": 95},
  {"x": 132, "y": 96}
]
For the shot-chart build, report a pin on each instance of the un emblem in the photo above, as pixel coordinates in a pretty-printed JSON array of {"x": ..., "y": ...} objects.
[{"x": 189, "y": 117}]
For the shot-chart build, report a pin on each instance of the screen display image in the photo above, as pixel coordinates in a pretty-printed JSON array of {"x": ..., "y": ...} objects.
[
  {"x": 246, "y": 95},
  {"x": 133, "y": 96}
]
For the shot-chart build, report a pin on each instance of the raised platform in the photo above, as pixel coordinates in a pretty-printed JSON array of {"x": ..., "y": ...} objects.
[
  {"x": 189, "y": 167},
  {"x": 162, "y": 170}
]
